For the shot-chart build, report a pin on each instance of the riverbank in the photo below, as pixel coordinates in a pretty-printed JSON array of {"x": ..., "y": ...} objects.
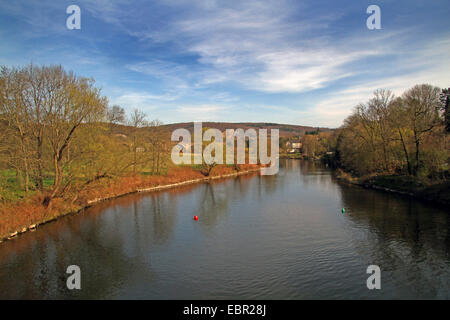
[
  {"x": 291, "y": 156},
  {"x": 22, "y": 216},
  {"x": 299, "y": 156},
  {"x": 438, "y": 193}
]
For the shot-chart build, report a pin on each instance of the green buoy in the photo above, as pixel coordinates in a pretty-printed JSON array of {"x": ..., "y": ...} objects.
[{"x": 343, "y": 210}]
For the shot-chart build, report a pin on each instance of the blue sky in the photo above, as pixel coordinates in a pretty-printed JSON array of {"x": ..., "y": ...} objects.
[{"x": 296, "y": 62}]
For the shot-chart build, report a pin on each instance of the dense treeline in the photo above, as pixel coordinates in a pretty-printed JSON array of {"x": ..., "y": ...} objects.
[
  {"x": 58, "y": 135},
  {"x": 405, "y": 135}
]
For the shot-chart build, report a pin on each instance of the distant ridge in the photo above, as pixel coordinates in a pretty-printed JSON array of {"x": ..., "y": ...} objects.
[{"x": 286, "y": 130}]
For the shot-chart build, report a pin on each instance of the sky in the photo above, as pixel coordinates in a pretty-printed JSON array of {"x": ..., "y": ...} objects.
[{"x": 307, "y": 62}]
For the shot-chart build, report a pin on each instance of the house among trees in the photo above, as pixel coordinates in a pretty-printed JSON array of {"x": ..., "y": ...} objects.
[{"x": 293, "y": 146}]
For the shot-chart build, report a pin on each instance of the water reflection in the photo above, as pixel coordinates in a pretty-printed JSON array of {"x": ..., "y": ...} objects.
[
  {"x": 279, "y": 237},
  {"x": 409, "y": 240}
]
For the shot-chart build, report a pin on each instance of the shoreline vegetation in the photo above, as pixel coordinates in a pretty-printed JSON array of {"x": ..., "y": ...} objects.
[
  {"x": 426, "y": 190},
  {"x": 26, "y": 215},
  {"x": 292, "y": 156},
  {"x": 436, "y": 193},
  {"x": 395, "y": 144}
]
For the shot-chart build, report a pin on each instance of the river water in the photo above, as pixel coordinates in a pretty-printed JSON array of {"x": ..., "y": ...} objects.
[{"x": 257, "y": 237}]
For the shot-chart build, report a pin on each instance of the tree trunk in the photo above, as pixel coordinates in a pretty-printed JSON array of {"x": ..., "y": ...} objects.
[
  {"x": 135, "y": 154},
  {"x": 157, "y": 164},
  {"x": 154, "y": 161},
  {"x": 55, "y": 167},
  {"x": 405, "y": 150},
  {"x": 385, "y": 157},
  {"x": 27, "y": 175},
  {"x": 25, "y": 164},
  {"x": 417, "y": 166},
  {"x": 40, "y": 177}
]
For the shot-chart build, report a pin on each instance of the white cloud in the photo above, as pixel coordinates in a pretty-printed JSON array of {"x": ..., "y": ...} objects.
[
  {"x": 332, "y": 110},
  {"x": 260, "y": 46},
  {"x": 207, "y": 49}
]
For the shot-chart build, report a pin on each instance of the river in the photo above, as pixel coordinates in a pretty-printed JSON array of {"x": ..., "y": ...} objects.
[{"x": 257, "y": 237}]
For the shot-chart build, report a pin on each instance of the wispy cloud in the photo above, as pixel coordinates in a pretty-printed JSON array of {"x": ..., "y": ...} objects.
[
  {"x": 259, "y": 46},
  {"x": 332, "y": 110},
  {"x": 280, "y": 61}
]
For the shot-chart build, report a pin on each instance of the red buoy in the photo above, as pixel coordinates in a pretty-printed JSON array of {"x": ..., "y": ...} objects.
[{"x": 195, "y": 218}]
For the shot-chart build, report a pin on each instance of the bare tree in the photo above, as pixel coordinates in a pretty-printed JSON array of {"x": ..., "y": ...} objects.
[
  {"x": 379, "y": 106},
  {"x": 445, "y": 100},
  {"x": 385, "y": 132},
  {"x": 76, "y": 102},
  {"x": 15, "y": 113},
  {"x": 116, "y": 114},
  {"x": 137, "y": 120},
  {"x": 422, "y": 109},
  {"x": 158, "y": 143},
  {"x": 398, "y": 118}
]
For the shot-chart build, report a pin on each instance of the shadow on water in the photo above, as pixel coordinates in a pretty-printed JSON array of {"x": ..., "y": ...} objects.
[{"x": 408, "y": 239}]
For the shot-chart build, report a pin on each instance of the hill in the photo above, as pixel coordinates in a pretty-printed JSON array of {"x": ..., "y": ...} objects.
[{"x": 286, "y": 130}]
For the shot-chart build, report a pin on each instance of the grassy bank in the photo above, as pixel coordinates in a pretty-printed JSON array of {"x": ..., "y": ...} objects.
[
  {"x": 436, "y": 192},
  {"x": 291, "y": 156},
  {"x": 19, "y": 216}
]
